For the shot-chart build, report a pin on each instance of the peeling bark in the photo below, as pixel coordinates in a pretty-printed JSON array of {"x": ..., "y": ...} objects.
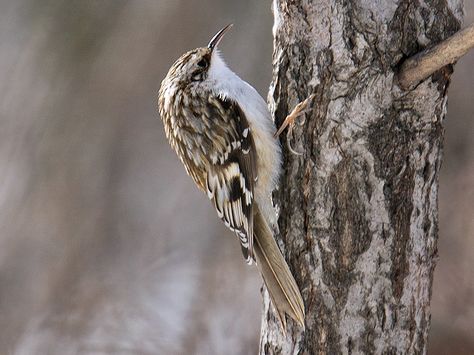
[{"x": 358, "y": 208}]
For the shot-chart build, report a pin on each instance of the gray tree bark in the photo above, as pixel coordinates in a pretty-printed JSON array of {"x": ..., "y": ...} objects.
[{"x": 358, "y": 195}]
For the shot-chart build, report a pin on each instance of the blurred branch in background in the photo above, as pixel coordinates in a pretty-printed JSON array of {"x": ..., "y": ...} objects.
[{"x": 102, "y": 244}]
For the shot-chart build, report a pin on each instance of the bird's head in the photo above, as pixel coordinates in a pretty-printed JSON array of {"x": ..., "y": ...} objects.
[{"x": 194, "y": 66}]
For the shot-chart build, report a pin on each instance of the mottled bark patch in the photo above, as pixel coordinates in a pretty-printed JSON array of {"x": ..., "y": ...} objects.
[
  {"x": 422, "y": 26},
  {"x": 350, "y": 235},
  {"x": 390, "y": 141}
]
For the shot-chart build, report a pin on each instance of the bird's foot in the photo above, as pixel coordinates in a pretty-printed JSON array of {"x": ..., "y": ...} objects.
[{"x": 299, "y": 110}]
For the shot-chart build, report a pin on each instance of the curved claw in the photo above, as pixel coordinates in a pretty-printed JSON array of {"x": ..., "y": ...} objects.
[{"x": 299, "y": 110}]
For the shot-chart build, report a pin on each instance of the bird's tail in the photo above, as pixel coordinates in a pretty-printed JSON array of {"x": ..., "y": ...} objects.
[{"x": 280, "y": 283}]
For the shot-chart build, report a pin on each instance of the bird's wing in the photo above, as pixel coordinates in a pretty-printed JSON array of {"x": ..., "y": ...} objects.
[{"x": 232, "y": 169}]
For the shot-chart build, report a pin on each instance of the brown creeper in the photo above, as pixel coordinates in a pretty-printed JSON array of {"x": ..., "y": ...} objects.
[{"x": 222, "y": 131}]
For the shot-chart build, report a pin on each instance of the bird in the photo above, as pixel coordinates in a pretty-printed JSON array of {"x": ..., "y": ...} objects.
[{"x": 223, "y": 133}]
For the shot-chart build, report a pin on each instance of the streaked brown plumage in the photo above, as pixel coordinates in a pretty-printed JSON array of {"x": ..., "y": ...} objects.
[{"x": 222, "y": 131}]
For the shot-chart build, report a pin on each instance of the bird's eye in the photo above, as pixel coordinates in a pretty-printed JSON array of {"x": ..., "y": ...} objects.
[{"x": 202, "y": 63}]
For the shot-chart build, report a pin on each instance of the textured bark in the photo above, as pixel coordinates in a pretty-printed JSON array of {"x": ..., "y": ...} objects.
[{"x": 358, "y": 207}]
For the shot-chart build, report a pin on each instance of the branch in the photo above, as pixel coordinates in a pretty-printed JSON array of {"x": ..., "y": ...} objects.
[{"x": 423, "y": 64}]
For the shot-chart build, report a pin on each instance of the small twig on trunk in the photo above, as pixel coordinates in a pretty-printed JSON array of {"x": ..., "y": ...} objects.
[{"x": 423, "y": 64}]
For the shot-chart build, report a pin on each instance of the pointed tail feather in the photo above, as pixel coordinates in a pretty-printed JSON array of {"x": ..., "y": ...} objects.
[{"x": 281, "y": 285}]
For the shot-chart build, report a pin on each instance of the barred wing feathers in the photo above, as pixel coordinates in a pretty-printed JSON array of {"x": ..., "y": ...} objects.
[{"x": 231, "y": 175}]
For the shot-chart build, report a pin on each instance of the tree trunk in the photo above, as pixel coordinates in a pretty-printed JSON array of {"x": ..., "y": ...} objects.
[{"x": 359, "y": 189}]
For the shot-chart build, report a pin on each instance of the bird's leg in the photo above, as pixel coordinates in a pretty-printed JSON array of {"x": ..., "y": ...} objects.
[{"x": 299, "y": 110}]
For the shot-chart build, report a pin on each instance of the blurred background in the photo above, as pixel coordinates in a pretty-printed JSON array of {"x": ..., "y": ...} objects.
[{"x": 106, "y": 246}]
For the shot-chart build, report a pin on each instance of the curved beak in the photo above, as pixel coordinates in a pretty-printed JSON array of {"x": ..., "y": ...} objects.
[{"x": 217, "y": 38}]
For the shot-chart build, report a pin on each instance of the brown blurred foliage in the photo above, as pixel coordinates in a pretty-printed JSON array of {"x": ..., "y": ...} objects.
[{"x": 105, "y": 244}]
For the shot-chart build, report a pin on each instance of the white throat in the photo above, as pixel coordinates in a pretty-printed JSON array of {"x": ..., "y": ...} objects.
[
  {"x": 222, "y": 80},
  {"x": 225, "y": 83}
]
